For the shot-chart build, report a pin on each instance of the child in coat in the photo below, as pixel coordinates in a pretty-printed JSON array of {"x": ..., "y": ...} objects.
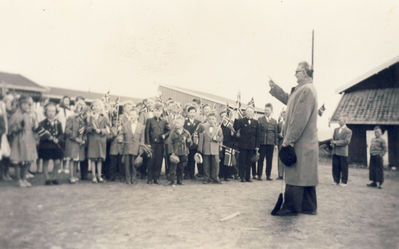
[
  {"x": 133, "y": 137},
  {"x": 51, "y": 142},
  {"x": 75, "y": 143},
  {"x": 178, "y": 142},
  {"x": 23, "y": 142},
  {"x": 378, "y": 148},
  {"x": 210, "y": 139},
  {"x": 98, "y": 129}
]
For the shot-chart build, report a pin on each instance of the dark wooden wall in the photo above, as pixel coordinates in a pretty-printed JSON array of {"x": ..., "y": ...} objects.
[
  {"x": 358, "y": 146},
  {"x": 393, "y": 145}
]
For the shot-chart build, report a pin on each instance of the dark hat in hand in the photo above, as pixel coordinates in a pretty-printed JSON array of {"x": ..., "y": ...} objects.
[{"x": 287, "y": 155}]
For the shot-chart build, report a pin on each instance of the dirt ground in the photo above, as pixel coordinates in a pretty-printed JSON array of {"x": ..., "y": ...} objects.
[{"x": 115, "y": 215}]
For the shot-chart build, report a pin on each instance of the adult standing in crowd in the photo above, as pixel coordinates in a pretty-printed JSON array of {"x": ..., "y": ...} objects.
[
  {"x": 156, "y": 131},
  {"x": 341, "y": 139},
  {"x": 247, "y": 128},
  {"x": 378, "y": 149},
  {"x": 267, "y": 140},
  {"x": 301, "y": 133}
]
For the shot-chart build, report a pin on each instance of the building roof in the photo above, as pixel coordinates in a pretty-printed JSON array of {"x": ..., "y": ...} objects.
[
  {"x": 57, "y": 92},
  {"x": 369, "y": 106},
  {"x": 368, "y": 74},
  {"x": 17, "y": 81},
  {"x": 208, "y": 96}
]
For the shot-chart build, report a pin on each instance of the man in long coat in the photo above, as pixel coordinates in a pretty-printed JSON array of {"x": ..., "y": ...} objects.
[{"x": 300, "y": 131}]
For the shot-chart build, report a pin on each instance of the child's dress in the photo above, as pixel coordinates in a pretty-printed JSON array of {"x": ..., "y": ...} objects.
[
  {"x": 23, "y": 141},
  {"x": 97, "y": 143}
]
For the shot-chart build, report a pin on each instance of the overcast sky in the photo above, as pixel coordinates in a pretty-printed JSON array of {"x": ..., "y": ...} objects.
[{"x": 130, "y": 47}]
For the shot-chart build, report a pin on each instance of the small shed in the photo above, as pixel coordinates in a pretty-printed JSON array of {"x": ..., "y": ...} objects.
[{"x": 372, "y": 99}]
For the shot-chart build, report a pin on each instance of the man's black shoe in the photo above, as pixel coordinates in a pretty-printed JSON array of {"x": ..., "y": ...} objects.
[
  {"x": 314, "y": 212},
  {"x": 286, "y": 212}
]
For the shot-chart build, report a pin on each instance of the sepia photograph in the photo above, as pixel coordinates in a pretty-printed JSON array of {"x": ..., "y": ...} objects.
[{"x": 199, "y": 124}]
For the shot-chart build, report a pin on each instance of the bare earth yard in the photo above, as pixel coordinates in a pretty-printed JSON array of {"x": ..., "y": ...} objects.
[{"x": 115, "y": 215}]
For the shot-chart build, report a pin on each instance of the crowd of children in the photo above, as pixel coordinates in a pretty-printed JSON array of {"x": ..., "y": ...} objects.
[{"x": 124, "y": 142}]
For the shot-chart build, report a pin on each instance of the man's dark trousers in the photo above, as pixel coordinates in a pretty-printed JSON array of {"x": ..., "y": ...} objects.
[
  {"x": 300, "y": 198},
  {"x": 189, "y": 171},
  {"x": 155, "y": 164},
  {"x": 340, "y": 166},
  {"x": 265, "y": 150},
  {"x": 245, "y": 164}
]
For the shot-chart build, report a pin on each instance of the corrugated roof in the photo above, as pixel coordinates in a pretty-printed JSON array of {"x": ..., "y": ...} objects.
[
  {"x": 17, "y": 81},
  {"x": 208, "y": 96},
  {"x": 57, "y": 92},
  {"x": 368, "y": 74},
  {"x": 370, "y": 106}
]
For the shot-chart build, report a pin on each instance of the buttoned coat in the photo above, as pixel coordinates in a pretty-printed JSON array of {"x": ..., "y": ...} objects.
[
  {"x": 154, "y": 129},
  {"x": 132, "y": 141},
  {"x": 73, "y": 128},
  {"x": 267, "y": 131},
  {"x": 300, "y": 129},
  {"x": 248, "y": 129},
  {"x": 97, "y": 142},
  {"x": 342, "y": 140},
  {"x": 209, "y": 142}
]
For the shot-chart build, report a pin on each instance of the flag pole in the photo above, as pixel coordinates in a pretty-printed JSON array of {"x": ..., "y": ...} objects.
[{"x": 312, "y": 51}]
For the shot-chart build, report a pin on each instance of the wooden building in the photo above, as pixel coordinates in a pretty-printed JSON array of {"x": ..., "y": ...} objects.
[
  {"x": 56, "y": 93},
  {"x": 19, "y": 84},
  {"x": 372, "y": 99},
  {"x": 184, "y": 95}
]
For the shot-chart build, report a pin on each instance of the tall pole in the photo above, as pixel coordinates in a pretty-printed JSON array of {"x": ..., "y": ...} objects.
[{"x": 312, "y": 50}]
